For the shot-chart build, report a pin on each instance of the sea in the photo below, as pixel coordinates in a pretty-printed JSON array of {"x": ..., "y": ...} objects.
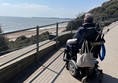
[{"x": 9, "y": 24}]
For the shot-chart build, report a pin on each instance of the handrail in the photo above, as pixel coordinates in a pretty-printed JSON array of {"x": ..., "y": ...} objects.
[
  {"x": 32, "y": 28},
  {"x": 37, "y": 38}
]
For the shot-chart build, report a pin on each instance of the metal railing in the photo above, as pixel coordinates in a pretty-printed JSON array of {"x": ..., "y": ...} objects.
[
  {"x": 108, "y": 18},
  {"x": 37, "y": 29}
]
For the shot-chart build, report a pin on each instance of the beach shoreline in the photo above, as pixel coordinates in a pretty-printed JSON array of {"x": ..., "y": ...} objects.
[{"x": 29, "y": 33}]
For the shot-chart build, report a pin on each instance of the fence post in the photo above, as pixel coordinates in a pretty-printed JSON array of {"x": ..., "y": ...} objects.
[
  {"x": 37, "y": 43},
  {"x": 57, "y": 34},
  {"x": 71, "y": 29}
]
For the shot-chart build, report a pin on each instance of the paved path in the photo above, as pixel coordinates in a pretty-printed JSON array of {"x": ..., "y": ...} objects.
[
  {"x": 110, "y": 64},
  {"x": 53, "y": 70}
]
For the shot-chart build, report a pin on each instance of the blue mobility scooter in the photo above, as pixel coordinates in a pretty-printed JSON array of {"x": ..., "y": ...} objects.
[{"x": 83, "y": 63}]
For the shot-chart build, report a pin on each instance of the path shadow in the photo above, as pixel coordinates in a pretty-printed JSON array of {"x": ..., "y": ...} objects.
[
  {"x": 23, "y": 75},
  {"x": 106, "y": 79},
  {"x": 109, "y": 79}
]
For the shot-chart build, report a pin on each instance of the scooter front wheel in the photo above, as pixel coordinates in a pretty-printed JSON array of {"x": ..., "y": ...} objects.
[{"x": 72, "y": 68}]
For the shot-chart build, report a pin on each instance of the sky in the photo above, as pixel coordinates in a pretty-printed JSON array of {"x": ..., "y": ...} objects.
[{"x": 47, "y": 8}]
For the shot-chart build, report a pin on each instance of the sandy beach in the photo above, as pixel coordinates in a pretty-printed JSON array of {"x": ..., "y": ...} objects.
[{"x": 29, "y": 33}]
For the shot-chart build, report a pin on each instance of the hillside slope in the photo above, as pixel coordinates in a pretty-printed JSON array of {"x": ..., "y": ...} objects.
[
  {"x": 105, "y": 14},
  {"x": 106, "y": 9}
]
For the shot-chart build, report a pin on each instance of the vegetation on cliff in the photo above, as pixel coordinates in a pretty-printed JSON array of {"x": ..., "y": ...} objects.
[
  {"x": 21, "y": 42},
  {"x": 3, "y": 43},
  {"x": 109, "y": 8},
  {"x": 106, "y": 13}
]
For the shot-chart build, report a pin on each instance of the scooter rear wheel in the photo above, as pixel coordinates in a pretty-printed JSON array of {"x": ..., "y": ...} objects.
[{"x": 84, "y": 79}]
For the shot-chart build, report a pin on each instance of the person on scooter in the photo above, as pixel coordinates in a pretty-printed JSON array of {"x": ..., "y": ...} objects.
[{"x": 89, "y": 31}]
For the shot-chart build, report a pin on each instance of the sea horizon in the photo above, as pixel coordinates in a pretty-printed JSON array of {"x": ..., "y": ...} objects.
[{"x": 13, "y": 23}]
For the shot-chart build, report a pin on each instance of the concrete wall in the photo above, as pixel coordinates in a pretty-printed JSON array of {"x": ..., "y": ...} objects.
[{"x": 12, "y": 69}]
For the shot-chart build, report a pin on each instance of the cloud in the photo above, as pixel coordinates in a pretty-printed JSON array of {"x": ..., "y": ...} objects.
[
  {"x": 33, "y": 10},
  {"x": 24, "y": 9}
]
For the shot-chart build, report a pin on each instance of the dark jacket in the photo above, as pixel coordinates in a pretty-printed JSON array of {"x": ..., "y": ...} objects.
[{"x": 88, "y": 32}]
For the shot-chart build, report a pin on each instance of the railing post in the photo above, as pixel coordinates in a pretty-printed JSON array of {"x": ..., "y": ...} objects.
[
  {"x": 71, "y": 28},
  {"x": 37, "y": 43},
  {"x": 57, "y": 34}
]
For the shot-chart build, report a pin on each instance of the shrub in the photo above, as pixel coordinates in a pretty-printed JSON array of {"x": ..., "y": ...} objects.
[
  {"x": 74, "y": 24},
  {"x": 23, "y": 41},
  {"x": 3, "y": 43}
]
